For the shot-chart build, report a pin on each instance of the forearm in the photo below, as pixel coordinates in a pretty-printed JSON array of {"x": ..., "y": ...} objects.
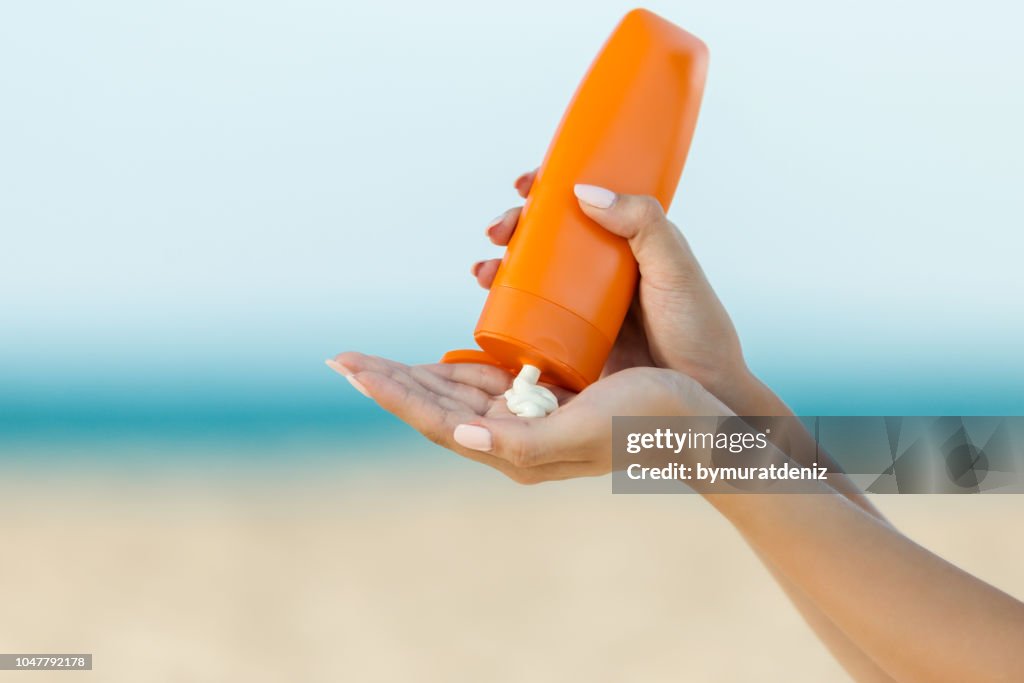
[
  {"x": 861, "y": 668},
  {"x": 919, "y": 617},
  {"x": 877, "y": 599},
  {"x": 749, "y": 396}
]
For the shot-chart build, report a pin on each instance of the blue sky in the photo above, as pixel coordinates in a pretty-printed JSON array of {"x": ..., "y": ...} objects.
[{"x": 213, "y": 197}]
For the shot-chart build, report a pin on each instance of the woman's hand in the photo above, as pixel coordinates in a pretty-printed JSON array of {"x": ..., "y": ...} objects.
[
  {"x": 462, "y": 407},
  {"x": 676, "y": 341},
  {"x": 676, "y": 320}
]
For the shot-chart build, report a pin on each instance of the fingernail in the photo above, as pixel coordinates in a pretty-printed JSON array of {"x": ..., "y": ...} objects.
[
  {"x": 337, "y": 367},
  {"x": 359, "y": 387},
  {"x": 493, "y": 224},
  {"x": 476, "y": 268},
  {"x": 347, "y": 374},
  {"x": 474, "y": 437},
  {"x": 595, "y": 196}
]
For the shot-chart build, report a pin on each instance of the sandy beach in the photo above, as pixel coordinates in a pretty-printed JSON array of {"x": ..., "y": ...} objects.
[{"x": 440, "y": 571}]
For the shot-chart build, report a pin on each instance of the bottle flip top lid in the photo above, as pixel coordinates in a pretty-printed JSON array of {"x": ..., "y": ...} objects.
[{"x": 470, "y": 356}]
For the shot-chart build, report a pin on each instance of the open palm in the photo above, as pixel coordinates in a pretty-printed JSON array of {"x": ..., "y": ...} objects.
[
  {"x": 574, "y": 440},
  {"x": 435, "y": 399}
]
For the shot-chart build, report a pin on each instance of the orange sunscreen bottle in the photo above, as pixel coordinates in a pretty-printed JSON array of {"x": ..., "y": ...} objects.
[{"x": 565, "y": 284}]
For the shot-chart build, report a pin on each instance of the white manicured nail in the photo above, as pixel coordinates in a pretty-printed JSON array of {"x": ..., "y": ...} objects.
[
  {"x": 337, "y": 367},
  {"x": 595, "y": 196},
  {"x": 474, "y": 437},
  {"x": 359, "y": 387}
]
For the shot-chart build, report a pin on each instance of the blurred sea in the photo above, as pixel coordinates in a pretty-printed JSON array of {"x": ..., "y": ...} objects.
[
  {"x": 176, "y": 418},
  {"x": 200, "y": 205},
  {"x": 217, "y": 421}
]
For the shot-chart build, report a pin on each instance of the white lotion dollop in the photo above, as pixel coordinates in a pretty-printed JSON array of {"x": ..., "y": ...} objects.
[{"x": 526, "y": 398}]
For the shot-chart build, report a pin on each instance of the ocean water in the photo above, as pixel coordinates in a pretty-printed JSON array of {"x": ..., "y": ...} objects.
[
  {"x": 221, "y": 422},
  {"x": 316, "y": 417},
  {"x": 200, "y": 206}
]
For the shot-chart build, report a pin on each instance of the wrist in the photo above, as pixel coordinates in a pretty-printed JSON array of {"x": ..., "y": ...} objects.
[
  {"x": 739, "y": 389},
  {"x": 688, "y": 396}
]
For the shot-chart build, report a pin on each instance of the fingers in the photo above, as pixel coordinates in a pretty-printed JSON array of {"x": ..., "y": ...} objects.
[
  {"x": 527, "y": 451},
  {"x": 492, "y": 380},
  {"x": 525, "y": 443},
  {"x": 348, "y": 362},
  {"x": 437, "y": 423},
  {"x": 449, "y": 394},
  {"x": 659, "y": 247},
  {"x": 347, "y": 374},
  {"x": 524, "y": 182},
  {"x": 416, "y": 408},
  {"x": 500, "y": 230},
  {"x": 657, "y": 244},
  {"x": 484, "y": 271}
]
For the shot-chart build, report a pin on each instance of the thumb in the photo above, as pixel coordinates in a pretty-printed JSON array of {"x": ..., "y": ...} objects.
[
  {"x": 658, "y": 246},
  {"x": 522, "y": 443}
]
